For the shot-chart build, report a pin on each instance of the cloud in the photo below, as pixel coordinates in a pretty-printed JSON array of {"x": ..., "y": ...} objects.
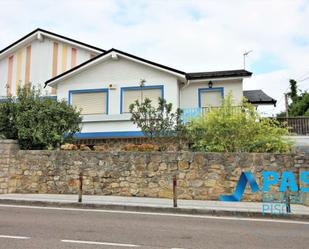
[{"x": 199, "y": 35}]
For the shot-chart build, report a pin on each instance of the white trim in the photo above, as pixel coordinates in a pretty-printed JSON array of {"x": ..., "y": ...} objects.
[
  {"x": 218, "y": 79},
  {"x": 105, "y": 117},
  {"x": 40, "y": 35},
  {"x": 18, "y": 45},
  {"x": 71, "y": 43},
  {"x": 182, "y": 76}
]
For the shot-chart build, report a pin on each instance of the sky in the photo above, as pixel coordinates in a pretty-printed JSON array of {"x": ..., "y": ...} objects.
[{"x": 189, "y": 35}]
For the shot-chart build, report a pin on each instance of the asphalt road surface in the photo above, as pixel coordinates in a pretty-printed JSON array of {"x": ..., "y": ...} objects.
[{"x": 39, "y": 228}]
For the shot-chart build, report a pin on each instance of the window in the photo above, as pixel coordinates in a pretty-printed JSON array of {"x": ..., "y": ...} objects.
[
  {"x": 130, "y": 94},
  {"x": 90, "y": 101},
  {"x": 209, "y": 97}
]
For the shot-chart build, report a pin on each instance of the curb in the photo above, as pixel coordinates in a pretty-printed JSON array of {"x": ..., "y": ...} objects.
[{"x": 148, "y": 209}]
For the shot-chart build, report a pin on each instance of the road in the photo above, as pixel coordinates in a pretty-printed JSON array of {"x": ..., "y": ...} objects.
[{"x": 61, "y": 228}]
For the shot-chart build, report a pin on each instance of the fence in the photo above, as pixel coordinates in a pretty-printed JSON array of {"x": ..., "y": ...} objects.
[
  {"x": 189, "y": 113},
  {"x": 298, "y": 125}
]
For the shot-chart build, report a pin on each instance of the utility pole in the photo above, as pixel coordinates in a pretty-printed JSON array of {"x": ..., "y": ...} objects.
[{"x": 286, "y": 105}]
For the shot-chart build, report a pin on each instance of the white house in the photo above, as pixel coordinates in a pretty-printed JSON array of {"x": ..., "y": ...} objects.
[
  {"x": 39, "y": 56},
  {"x": 104, "y": 83}
]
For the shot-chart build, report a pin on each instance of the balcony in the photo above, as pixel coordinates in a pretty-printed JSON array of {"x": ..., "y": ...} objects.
[{"x": 189, "y": 113}]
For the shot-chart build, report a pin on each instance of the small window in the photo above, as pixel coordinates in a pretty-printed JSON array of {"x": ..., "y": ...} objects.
[
  {"x": 211, "y": 98},
  {"x": 129, "y": 96},
  {"x": 90, "y": 102}
]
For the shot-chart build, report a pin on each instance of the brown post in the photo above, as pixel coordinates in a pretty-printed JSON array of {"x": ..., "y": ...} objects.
[
  {"x": 286, "y": 105},
  {"x": 174, "y": 191},
  {"x": 80, "y": 193}
]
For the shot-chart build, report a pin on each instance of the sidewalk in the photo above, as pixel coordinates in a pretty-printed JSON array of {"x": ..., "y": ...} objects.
[{"x": 151, "y": 204}]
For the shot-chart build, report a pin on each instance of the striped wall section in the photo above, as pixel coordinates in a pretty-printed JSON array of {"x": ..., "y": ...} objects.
[
  {"x": 64, "y": 57},
  {"x": 10, "y": 76},
  {"x": 28, "y": 64},
  {"x": 73, "y": 57},
  {"x": 19, "y": 68},
  {"x": 55, "y": 64},
  {"x": 37, "y": 62},
  {"x": 18, "y": 79}
]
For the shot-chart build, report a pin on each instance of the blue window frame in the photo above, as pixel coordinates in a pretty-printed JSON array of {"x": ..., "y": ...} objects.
[
  {"x": 161, "y": 87},
  {"x": 201, "y": 90},
  {"x": 90, "y": 91}
]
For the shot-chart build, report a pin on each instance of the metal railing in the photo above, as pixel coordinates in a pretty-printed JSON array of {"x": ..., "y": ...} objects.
[
  {"x": 189, "y": 113},
  {"x": 297, "y": 125}
]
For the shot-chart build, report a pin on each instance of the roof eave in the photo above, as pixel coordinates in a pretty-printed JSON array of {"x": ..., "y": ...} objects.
[
  {"x": 218, "y": 78},
  {"x": 97, "y": 59},
  {"x": 32, "y": 36},
  {"x": 272, "y": 102}
]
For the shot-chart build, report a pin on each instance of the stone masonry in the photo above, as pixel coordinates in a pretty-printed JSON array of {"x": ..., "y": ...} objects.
[
  {"x": 7, "y": 150},
  {"x": 200, "y": 175}
]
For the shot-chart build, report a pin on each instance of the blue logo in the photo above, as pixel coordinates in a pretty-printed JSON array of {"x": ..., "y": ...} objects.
[
  {"x": 240, "y": 188},
  {"x": 275, "y": 202}
]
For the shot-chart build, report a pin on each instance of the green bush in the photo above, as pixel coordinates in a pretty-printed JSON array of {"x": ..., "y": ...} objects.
[
  {"x": 158, "y": 123},
  {"x": 237, "y": 129},
  {"x": 38, "y": 122}
]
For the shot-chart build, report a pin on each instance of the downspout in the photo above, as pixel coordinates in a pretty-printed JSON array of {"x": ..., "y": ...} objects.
[{"x": 180, "y": 89}]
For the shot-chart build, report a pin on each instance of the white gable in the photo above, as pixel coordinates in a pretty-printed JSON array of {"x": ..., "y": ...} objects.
[
  {"x": 115, "y": 55},
  {"x": 120, "y": 73},
  {"x": 33, "y": 61}
]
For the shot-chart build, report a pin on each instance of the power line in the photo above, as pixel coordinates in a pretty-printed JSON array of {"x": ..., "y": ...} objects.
[
  {"x": 304, "y": 79},
  {"x": 303, "y": 75}
]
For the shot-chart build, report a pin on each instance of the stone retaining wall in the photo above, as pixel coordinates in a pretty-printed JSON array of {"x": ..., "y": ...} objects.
[
  {"x": 118, "y": 144},
  {"x": 200, "y": 175},
  {"x": 7, "y": 153}
]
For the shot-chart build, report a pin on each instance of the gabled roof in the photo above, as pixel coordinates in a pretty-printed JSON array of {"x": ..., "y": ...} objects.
[
  {"x": 121, "y": 53},
  {"x": 183, "y": 75},
  {"x": 259, "y": 97},
  {"x": 50, "y": 34},
  {"x": 219, "y": 74}
]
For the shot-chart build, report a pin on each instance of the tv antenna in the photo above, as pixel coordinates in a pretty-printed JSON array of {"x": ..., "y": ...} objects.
[{"x": 245, "y": 55}]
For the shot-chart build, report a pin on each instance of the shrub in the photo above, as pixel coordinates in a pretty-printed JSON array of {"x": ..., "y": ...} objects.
[
  {"x": 237, "y": 129},
  {"x": 38, "y": 122},
  {"x": 158, "y": 122}
]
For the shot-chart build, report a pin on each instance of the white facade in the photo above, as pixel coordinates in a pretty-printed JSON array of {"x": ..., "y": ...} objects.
[
  {"x": 189, "y": 94},
  {"x": 107, "y": 84},
  {"x": 120, "y": 73},
  {"x": 38, "y": 58},
  {"x": 112, "y": 74}
]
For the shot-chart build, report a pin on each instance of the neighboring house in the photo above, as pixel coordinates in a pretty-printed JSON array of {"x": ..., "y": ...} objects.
[
  {"x": 104, "y": 86},
  {"x": 39, "y": 56}
]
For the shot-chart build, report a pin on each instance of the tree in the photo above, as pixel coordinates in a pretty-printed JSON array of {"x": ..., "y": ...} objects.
[
  {"x": 300, "y": 107},
  {"x": 38, "y": 122},
  {"x": 293, "y": 93},
  {"x": 157, "y": 122},
  {"x": 300, "y": 102},
  {"x": 235, "y": 129}
]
